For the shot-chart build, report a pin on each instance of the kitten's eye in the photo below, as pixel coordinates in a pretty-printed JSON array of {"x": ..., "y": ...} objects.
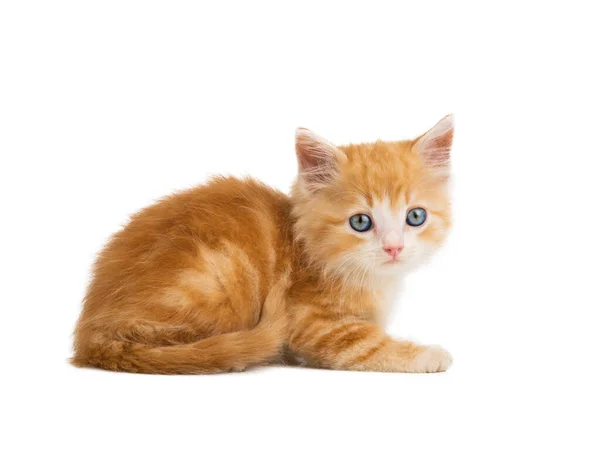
[
  {"x": 416, "y": 217},
  {"x": 361, "y": 222}
]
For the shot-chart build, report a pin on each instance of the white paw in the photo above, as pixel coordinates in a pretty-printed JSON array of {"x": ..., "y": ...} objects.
[{"x": 432, "y": 359}]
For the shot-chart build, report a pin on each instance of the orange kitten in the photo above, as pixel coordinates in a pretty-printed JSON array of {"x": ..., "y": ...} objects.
[{"x": 233, "y": 273}]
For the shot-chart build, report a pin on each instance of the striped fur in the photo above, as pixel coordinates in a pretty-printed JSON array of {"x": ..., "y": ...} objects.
[{"x": 229, "y": 274}]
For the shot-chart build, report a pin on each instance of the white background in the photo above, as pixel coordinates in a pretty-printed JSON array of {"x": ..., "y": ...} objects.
[{"x": 107, "y": 106}]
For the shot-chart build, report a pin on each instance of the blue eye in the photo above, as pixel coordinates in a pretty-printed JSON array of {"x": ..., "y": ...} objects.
[
  {"x": 416, "y": 217},
  {"x": 361, "y": 222}
]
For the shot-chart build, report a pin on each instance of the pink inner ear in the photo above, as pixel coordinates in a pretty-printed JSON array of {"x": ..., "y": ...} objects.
[
  {"x": 317, "y": 158},
  {"x": 437, "y": 150},
  {"x": 308, "y": 159},
  {"x": 434, "y": 146},
  {"x": 316, "y": 167}
]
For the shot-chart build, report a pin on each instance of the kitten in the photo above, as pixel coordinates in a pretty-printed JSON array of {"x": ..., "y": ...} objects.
[{"x": 233, "y": 273}]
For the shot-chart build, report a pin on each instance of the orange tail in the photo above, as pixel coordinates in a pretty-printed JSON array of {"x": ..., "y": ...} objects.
[{"x": 221, "y": 353}]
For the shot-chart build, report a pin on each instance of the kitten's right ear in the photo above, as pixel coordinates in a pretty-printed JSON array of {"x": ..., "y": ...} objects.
[{"x": 318, "y": 159}]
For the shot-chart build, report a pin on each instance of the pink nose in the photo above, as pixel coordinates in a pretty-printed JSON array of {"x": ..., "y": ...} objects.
[{"x": 393, "y": 251}]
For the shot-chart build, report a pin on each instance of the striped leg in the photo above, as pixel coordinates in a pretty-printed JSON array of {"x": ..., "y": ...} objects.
[{"x": 350, "y": 344}]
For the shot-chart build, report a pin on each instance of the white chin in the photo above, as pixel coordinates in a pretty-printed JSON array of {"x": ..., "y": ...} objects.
[{"x": 391, "y": 267}]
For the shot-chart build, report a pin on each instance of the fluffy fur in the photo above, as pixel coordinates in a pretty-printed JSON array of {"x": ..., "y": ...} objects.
[{"x": 233, "y": 273}]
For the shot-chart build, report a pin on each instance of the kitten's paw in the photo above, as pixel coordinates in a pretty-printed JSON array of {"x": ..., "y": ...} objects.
[{"x": 432, "y": 359}]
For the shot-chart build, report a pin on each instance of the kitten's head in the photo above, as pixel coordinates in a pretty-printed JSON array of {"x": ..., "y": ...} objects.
[{"x": 372, "y": 209}]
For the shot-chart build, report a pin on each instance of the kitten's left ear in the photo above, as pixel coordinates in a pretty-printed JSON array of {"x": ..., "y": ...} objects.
[{"x": 435, "y": 145}]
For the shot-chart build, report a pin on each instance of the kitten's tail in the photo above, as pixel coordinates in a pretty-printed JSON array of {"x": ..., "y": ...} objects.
[{"x": 220, "y": 353}]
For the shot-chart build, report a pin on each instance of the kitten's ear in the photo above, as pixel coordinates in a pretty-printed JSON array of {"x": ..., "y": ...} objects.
[
  {"x": 318, "y": 159},
  {"x": 435, "y": 145}
]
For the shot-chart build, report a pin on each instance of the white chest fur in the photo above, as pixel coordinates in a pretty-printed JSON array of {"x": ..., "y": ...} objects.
[{"x": 387, "y": 300}]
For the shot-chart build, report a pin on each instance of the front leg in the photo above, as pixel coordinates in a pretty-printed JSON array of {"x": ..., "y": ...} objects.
[{"x": 352, "y": 344}]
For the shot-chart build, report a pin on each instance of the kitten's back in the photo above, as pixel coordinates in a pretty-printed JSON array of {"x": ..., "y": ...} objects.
[{"x": 197, "y": 264}]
